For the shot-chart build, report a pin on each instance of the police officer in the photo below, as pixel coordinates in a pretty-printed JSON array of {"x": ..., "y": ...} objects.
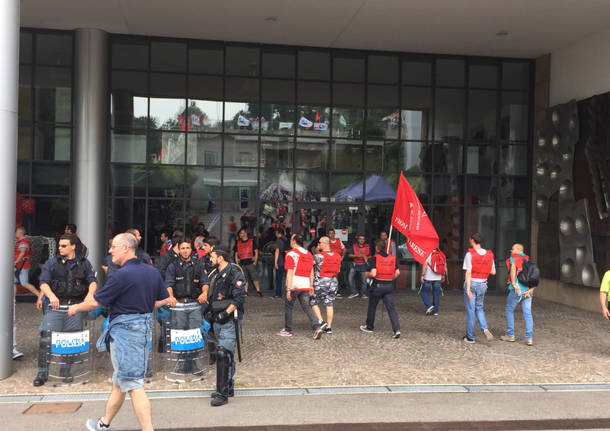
[
  {"x": 227, "y": 296},
  {"x": 171, "y": 254},
  {"x": 187, "y": 285},
  {"x": 66, "y": 279},
  {"x": 208, "y": 245},
  {"x": 140, "y": 253},
  {"x": 383, "y": 269}
]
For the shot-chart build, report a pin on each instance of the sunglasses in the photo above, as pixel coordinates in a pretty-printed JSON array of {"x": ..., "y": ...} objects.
[{"x": 63, "y": 245}]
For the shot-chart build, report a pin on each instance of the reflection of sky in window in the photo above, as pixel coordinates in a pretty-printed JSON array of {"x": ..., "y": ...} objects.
[{"x": 140, "y": 108}]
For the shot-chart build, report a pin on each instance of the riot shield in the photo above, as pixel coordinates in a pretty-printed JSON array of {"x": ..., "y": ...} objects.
[
  {"x": 186, "y": 354},
  {"x": 70, "y": 358}
]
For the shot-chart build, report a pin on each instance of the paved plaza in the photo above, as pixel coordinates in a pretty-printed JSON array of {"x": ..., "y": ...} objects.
[{"x": 570, "y": 346}]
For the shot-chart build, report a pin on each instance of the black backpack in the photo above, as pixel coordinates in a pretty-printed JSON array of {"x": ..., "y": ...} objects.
[{"x": 530, "y": 274}]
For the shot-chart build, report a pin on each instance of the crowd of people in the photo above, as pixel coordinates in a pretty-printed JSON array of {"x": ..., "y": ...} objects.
[{"x": 203, "y": 271}]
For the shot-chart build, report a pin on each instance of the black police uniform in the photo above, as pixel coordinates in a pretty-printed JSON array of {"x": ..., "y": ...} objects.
[
  {"x": 227, "y": 287},
  {"x": 69, "y": 280}
]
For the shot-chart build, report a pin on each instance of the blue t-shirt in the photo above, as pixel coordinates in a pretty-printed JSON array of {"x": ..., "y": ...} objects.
[
  {"x": 108, "y": 263},
  {"x": 132, "y": 289}
]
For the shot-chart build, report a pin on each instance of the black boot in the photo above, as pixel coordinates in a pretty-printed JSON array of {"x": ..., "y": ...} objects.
[
  {"x": 223, "y": 364},
  {"x": 43, "y": 350}
]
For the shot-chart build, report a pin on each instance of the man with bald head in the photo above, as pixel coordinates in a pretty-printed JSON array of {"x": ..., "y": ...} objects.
[
  {"x": 131, "y": 293},
  {"x": 518, "y": 293}
]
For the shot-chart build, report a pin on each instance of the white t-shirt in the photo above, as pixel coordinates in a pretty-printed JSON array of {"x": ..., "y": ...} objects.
[
  {"x": 468, "y": 264},
  {"x": 430, "y": 275}
]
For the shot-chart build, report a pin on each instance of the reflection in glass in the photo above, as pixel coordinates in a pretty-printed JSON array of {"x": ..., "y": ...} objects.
[
  {"x": 205, "y": 87},
  {"x": 162, "y": 214},
  {"x": 514, "y": 191},
  {"x": 276, "y": 151},
  {"x": 203, "y": 116},
  {"x": 206, "y": 212},
  {"x": 242, "y": 60},
  {"x": 132, "y": 82},
  {"x": 514, "y": 116},
  {"x": 449, "y": 115},
  {"x": 243, "y": 212},
  {"x": 128, "y": 180},
  {"x": 311, "y": 153},
  {"x": 415, "y": 157},
  {"x": 313, "y": 120},
  {"x": 205, "y": 57},
  {"x": 447, "y": 157},
  {"x": 311, "y": 186},
  {"x": 381, "y": 96},
  {"x": 278, "y": 119},
  {"x": 128, "y": 111},
  {"x": 23, "y": 178},
  {"x": 482, "y": 114},
  {"x": 277, "y": 184},
  {"x": 415, "y": 124},
  {"x": 168, "y": 56},
  {"x": 167, "y": 85},
  {"x": 278, "y": 90},
  {"x": 167, "y": 114},
  {"x": 166, "y": 147},
  {"x": 128, "y": 146},
  {"x": 382, "y": 156},
  {"x": 242, "y": 117},
  {"x": 514, "y": 159},
  {"x": 482, "y": 220},
  {"x": 202, "y": 184},
  {"x": 346, "y": 155},
  {"x": 514, "y": 224},
  {"x": 166, "y": 181},
  {"x": 52, "y": 143},
  {"x": 240, "y": 185},
  {"x": 241, "y": 150},
  {"x": 204, "y": 149},
  {"x": 383, "y": 123},
  {"x": 53, "y": 94},
  {"x": 447, "y": 190},
  {"x": 448, "y": 223},
  {"x": 24, "y": 143},
  {"x": 241, "y": 89},
  {"x": 481, "y": 191},
  {"x": 25, "y": 94},
  {"x": 50, "y": 179},
  {"x": 346, "y": 187},
  {"x": 481, "y": 159},
  {"x": 348, "y": 122},
  {"x": 417, "y": 98},
  {"x": 50, "y": 216}
]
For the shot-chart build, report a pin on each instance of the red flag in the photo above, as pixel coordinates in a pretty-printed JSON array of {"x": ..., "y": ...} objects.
[
  {"x": 410, "y": 218},
  {"x": 318, "y": 115}
]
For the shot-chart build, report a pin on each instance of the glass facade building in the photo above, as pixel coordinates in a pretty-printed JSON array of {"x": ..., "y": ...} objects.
[{"x": 307, "y": 138}]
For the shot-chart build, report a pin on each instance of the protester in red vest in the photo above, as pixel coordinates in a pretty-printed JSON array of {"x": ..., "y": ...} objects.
[
  {"x": 246, "y": 256},
  {"x": 336, "y": 245},
  {"x": 383, "y": 269},
  {"x": 359, "y": 252},
  {"x": 326, "y": 267},
  {"x": 433, "y": 272},
  {"x": 478, "y": 265},
  {"x": 166, "y": 243},
  {"x": 384, "y": 236},
  {"x": 299, "y": 285}
]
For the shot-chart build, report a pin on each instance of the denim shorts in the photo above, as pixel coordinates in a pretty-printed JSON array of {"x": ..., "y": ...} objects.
[
  {"x": 126, "y": 385},
  {"x": 23, "y": 277}
]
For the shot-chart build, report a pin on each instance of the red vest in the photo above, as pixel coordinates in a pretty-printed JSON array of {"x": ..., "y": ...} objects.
[
  {"x": 304, "y": 263},
  {"x": 245, "y": 249},
  {"x": 335, "y": 246},
  {"x": 331, "y": 265},
  {"x": 481, "y": 264},
  {"x": 518, "y": 263},
  {"x": 28, "y": 253},
  {"x": 386, "y": 266},
  {"x": 361, "y": 251}
]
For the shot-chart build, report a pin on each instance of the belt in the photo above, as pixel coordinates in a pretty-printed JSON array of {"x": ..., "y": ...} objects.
[
  {"x": 185, "y": 300},
  {"x": 70, "y": 301}
]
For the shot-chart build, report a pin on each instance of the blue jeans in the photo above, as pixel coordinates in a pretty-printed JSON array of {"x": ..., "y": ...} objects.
[
  {"x": 357, "y": 281},
  {"x": 474, "y": 307},
  {"x": 436, "y": 294},
  {"x": 526, "y": 307},
  {"x": 279, "y": 280}
]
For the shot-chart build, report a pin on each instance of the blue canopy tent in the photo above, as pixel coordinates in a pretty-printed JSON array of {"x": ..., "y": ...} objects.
[{"x": 377, "y": 189}]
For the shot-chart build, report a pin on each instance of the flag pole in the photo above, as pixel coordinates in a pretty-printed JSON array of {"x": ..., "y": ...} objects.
[{"x": 389, "y": 240}]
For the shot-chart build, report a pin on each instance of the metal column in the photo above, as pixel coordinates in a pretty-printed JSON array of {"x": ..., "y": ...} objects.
[
  {"x": 9, "y": 84},
  {"x": 89, "y": 160}
]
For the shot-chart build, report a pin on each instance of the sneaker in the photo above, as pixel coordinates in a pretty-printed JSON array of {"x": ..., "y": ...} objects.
[
  {"x": 17, "y": 355},
  {"x": 328, "y": 330},
  {"x": 364, "y": 297},
  {"x": 352, "y": 296},
  {"x": 317, "y": 333},
  {"x": 509, "y": 338},
  {"x": 529, "y": 342},
  {"x": 260, "y": 293},
  {"x": 435, "y": 314},
  {"x": 396, "y": 334},
  {"x": 488, "y": 334},
  {"x": 284, "y": 333},
  {"x": 365, "y": 328},
  {"x": 96, "y": 425},
  {"x": 339, "y": 296},
  {"x": 429, "y": 310},
  {"x": 467, "y": 340},
  {"x": 323, "y": 324}
]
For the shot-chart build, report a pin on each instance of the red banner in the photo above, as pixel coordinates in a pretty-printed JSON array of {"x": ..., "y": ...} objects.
[{"x": 410, "y": 218}]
